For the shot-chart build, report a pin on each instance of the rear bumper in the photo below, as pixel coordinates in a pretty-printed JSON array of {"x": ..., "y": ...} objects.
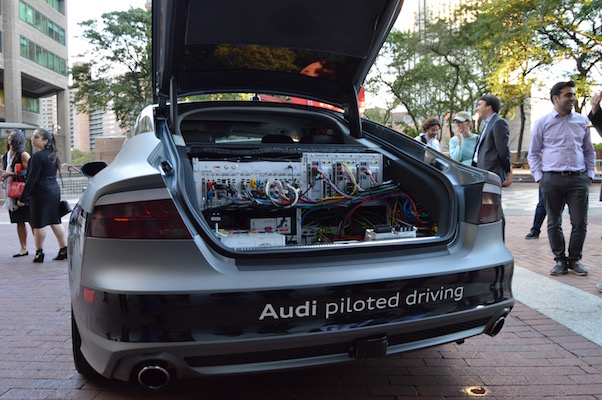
[
  {"x": 258, "y": 331},
  {"x": 121, "y": 360}
]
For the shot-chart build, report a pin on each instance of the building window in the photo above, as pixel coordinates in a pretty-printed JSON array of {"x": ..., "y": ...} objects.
[
  {"x": 63, "y": 67},
  {"x": 41, "y": 56},
  {"x": 39, "y": 21},
  {"x": 31, "y": 52},
  {"x": 29, "y": 14},
  {"x": 39, "y": 52},
  {"x": 56, "y": 4},
  {"x": 30, "y": 104},
  {"x": 23, "y": 47}
]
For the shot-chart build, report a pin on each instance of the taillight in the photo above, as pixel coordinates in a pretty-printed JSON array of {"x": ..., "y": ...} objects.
[
  {"x": 150, "y": 219},
  {"x": 491, "y": 207}
]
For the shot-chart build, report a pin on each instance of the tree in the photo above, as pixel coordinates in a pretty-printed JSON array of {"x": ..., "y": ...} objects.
[
  {"x": 510, "y": 51},
  {"x": 571, "y": 30},
  {"x": 81, "y": 157},
  {"x": 119, "y": 73},
  {"x": 455, "y": 48},
  {"x": 431, "y": 72},
  {"x": 524, "y": 35},
  {"x": 520, "y": 37}
]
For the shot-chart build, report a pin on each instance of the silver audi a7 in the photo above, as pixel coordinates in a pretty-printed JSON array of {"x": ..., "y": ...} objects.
[{"x": 254, "y": 221}]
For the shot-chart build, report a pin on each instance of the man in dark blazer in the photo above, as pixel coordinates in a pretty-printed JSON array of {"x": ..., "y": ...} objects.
[
  {"x": 492, "y": 152},
  {"x": 595, "y": 116}
]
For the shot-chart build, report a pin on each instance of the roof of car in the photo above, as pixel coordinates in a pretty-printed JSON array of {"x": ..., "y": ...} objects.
[{"x": 313, "y": 49}]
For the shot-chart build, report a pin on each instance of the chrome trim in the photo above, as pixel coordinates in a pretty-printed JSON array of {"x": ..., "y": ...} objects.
[
  {"x": 490, "y": 188},
  {"x": 133, "y": 196}
]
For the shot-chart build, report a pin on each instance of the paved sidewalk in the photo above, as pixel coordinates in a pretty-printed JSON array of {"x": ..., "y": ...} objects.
[{"x": 534, "y": 357}]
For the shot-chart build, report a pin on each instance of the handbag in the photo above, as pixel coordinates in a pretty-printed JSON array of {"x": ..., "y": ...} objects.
[
  {"x": 15, "y": 189},
  {"x": 64, "y": 208}
]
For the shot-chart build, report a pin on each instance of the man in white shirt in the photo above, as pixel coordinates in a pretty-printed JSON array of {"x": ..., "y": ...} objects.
[
  {"x": 430, "y": 130},
  {"x": 564, "y": 172}
]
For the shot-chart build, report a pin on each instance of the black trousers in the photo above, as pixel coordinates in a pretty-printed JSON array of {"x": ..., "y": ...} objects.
[{"x": 573, "y": 190}]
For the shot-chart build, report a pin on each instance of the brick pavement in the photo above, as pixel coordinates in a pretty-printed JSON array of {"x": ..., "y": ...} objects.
[
  {"x": 536, "y": 255},
  {"x": 533, "y": 357}
]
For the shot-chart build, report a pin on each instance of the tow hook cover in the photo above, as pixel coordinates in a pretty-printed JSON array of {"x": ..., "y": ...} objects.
[{"x": 372, "y": 347}]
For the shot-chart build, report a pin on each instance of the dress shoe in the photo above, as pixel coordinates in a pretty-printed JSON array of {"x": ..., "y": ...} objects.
[
  {"x": 559, "y": 269},
  {"x": 62, "y": 255},
  {"x": 39, "y": 258},
  {"x": 577, "y": 268},
  {"x": 532, "y": 235},
  {"x": 21, "y": 255}
]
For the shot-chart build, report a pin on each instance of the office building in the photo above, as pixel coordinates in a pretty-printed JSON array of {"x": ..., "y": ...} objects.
[{"x": 33, "y": 61}]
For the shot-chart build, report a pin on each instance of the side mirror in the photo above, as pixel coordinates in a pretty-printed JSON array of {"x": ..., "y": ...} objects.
[{"x": 92, "y": 168}]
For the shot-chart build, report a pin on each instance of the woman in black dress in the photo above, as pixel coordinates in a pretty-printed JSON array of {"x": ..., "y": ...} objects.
[
  {"x": 16, "y": 157},
  {"x": 43, "y": 194}
]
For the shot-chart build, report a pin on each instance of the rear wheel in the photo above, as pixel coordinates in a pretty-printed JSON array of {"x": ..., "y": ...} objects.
[{"x": 81, "y": 365}]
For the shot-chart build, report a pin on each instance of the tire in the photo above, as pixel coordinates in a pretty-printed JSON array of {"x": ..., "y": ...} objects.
[{"x": 81, "y": 365}]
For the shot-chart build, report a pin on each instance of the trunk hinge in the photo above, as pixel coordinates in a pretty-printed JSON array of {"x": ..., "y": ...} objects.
[
  {"x": 173, "y": 106},
  {"x": 161, "y": 113},
  {"x": 162, "y": 110},
  {"x": 352, "y": 114}
]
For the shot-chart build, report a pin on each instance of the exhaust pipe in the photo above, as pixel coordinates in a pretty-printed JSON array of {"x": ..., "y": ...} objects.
[
  {"x": 153, "y": 377},
  {"x": 496, "y": 327}
]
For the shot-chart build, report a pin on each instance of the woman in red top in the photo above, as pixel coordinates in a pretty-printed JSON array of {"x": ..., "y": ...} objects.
[{"x": 15, "y": 159}]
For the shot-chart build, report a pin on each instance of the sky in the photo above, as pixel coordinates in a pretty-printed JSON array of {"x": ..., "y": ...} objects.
[{"x": 79, "y": 10}]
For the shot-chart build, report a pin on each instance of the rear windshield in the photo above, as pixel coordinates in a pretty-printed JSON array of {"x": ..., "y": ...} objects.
[{"x": 204, "y": 58}]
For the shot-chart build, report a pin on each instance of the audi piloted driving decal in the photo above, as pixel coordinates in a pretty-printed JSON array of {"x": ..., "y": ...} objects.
[{"x": 141, "y": 318}]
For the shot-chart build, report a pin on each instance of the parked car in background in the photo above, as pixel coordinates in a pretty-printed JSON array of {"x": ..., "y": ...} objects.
[{"x": 234, "y": 236}]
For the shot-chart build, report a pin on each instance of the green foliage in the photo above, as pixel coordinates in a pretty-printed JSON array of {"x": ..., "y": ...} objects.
[
  {"x": 81, "y": 157},
  {"x": 432, "y": 72},
  {"x": 256, "y": 57},
  {"x": 491, "y": 46},
  {"x": 119, "y": 73},
  {"x": 410, "y": 130},
  {"x": 377, "y": 115},
  {"x": 220, "y": 97},
  {"x": 521, "y": 37}
]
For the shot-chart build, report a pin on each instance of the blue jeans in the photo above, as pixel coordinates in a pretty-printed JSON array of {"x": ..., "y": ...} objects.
[
  {"x": 540, "y": 215},
  {"x": 572, "y": 190}
]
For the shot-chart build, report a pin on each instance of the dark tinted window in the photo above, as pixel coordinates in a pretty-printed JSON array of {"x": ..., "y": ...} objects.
[{"x": 202, "y": 58}]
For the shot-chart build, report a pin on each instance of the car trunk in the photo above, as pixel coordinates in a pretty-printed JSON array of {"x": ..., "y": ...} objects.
[{"x": 269, "y": 177}]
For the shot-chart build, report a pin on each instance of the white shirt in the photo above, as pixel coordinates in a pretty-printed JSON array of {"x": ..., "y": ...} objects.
[
  {"x": 564, "y": 144},
  {"x": 433, "y": 144},
  {"x": 485, "y": 125}
]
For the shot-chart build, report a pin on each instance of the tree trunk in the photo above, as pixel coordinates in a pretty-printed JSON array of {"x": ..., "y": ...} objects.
[{"x": 521, "y": 133}]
